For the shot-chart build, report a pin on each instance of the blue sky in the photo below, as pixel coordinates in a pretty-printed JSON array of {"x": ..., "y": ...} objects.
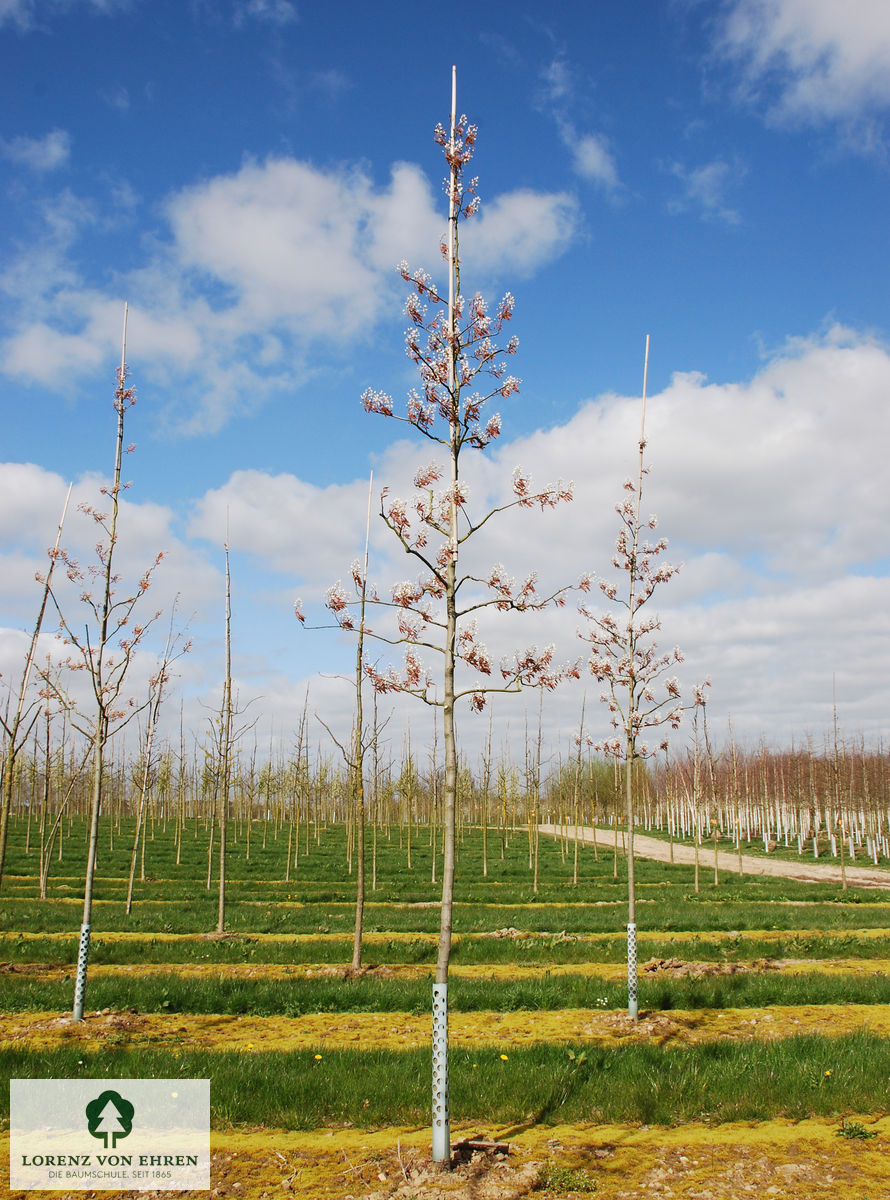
[{"x": 247, "y": 173}]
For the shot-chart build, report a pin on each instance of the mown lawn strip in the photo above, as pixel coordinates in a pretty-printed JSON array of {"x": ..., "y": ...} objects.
[
  {"x": 225, "y": 991},
  {"x": 575, "y": 1081},
  {"x": 396, "y": 950}
]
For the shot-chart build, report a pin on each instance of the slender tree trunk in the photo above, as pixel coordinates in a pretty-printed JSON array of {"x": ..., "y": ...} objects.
[
  {"x": 375, "y": 800},
  {"x": 441, "y": 1115},
  {"x": 226, "y": 752},
  {"x": 359, "y": 760},
  {"x": 102, "y": 716},
  {"x": 83, "y": 952}
]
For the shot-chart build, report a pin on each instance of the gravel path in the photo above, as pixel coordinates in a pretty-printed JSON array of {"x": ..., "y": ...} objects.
[{"x": 809, "y": 871}]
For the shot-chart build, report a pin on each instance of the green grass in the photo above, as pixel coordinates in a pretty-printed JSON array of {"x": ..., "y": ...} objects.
[
  {"x": 169, "y": 992},
  {"x": 322, "y": 876},
  {"x": 664, "y": 911},
  {"x": 470, "y": 950},
  {"x": 718, "y": 1081},
  {"x": 751, "y": 1081}
]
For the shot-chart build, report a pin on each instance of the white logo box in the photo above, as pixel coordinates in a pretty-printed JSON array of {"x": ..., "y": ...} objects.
[{"x": 109, "y": 1134}]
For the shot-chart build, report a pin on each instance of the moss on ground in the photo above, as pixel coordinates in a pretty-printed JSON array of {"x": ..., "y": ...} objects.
[{"x": 409, "y": 1031}]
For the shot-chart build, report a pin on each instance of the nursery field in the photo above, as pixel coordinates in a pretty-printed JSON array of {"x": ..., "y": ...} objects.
[{"x": 759, "y": 1066}]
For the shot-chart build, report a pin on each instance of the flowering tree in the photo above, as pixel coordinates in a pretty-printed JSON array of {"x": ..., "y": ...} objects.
[
  {"x": 625, "y": 658},
  {"x": 451, "y": 341},
  {"x": 103, "y": 652}
]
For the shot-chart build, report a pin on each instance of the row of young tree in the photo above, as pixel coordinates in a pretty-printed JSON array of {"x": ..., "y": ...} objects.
[
  {"x": 825, "y": 801},
  {"x": 433, "y": 618}
]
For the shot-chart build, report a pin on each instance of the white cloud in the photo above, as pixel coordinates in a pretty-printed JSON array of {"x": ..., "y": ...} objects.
[
  {"x": 259, "y": 266},
  {"x": 592, "y": 156},
  {"x": 521, "y": 231},
  {"x": 283, "y": 239},
  {"x": 705, "y": 188},
  {"x": 558, "y": 82},
  {"x": 272, "y": 12},
  {"x": 771, "y": 490},
  {"x": 43, "y": 354},
  {"x": 307, "y": 247},
  {"x": 827, "y": 60},
  {"x": 594, "y": 160},
  {"x": 402, "y": 221},
  {"x": 27, "y": 15},
  {"x": 39, "y": 154},
  {"x": 306, "y": 532},
  {"x": 117, "y": 97},
  {"x": 31, "y": 504}
]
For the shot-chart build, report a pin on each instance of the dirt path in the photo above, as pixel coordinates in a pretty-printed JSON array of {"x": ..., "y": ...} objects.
[{"x": 807, "y": 872}]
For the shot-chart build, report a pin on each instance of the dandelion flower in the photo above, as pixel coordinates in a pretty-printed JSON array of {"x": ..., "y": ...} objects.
[
  {"x": 827, "y": 1073},
  {"x": 503, "y": 1058},
  {"x": 318, "y": 1058}
]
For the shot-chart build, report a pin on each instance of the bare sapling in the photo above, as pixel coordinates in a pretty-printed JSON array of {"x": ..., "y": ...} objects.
[
  {"x": 103, "y": 653},
  {"x": 625, "y": 659},
  {"x": 713, "y": 805},
  {"x": 225, "y": 748},
  {"x": 156, "y": 685},
  {"x": 354, "y": 757},
  {"x": 358, "y": 757},
  {"x": 47, "y": 840},
  {"x": 576, "y": 797},
  {"x": 836, "y": 788},
  {"x": 452, "y": 343},
  {"x": 17, "y": 726},
  {"x": 484, "y": 797},
  {"x": 227, "y": 733}
]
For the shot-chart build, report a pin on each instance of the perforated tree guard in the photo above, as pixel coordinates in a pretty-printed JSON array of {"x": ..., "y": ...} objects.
[
  {"x": 80, "y": 982},
  {"x": 632, "y": 971},
  {"x": 441, "y": 1123}
]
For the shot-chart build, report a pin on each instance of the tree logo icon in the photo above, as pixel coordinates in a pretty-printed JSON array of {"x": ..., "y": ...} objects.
[{"x": 110, "y": 1116}]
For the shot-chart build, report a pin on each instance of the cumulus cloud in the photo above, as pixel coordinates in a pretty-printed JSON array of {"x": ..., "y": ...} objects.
[
  {"x": 307, "y": 532},
  {"x": 31, "y": 505},
  {"x": 39, "y": 154},
  {"x": 282, "y": 239},
  {"x": 770, "y": 490},
  {"x": 824, "y": 60},
  {"x": 524, "y": 229},
  {"x": 256, "y": 267},
  {"x": 308, "y": 247}
]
